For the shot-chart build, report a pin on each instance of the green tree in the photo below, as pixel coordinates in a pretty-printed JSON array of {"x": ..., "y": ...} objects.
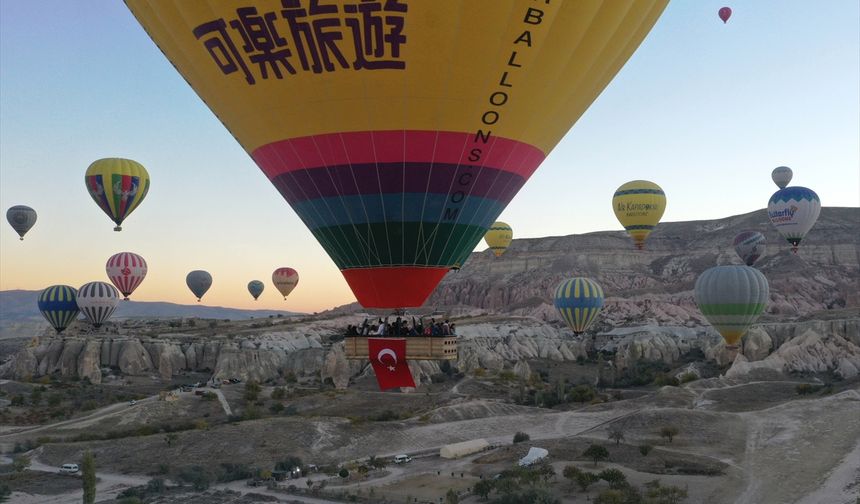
[
  {"x": 586, "y": 479},
  {"x": 645, "y": 449},
  {"x": 669, "y": 431},
  {"x": 616, "y": 433},
  {"x": 571, "y": 472},
  {"x": 288, "y": 463},
  {"x": 344, "y": 473},
  {"x": 596, "y": 453},
  {"x": 170, "y": 437},
  {"x": 658, "y": 494},
  {"x": 451, "y": 497},
  {"x": 614, "y": 477},
  {"x": 610, "y": 497},
  {"x": 252, "y": 391},
  {"x": 519, "y": 437},
  {"x": 196, "y": 476},
  {"x": 483, "y": 488},
  {"x": 20, "y": 463},
  {"x": 88, "y": 477},
  {"x": 279, "y": 393},
  {"x": 5, "y": 492}
]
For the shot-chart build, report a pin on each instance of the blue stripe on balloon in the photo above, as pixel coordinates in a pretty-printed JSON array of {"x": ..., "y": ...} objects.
[{"x": 404, "y": 207}]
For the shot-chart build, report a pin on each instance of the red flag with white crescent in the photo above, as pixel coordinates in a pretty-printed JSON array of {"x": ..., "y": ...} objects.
[{"x": 388, "y": 357}]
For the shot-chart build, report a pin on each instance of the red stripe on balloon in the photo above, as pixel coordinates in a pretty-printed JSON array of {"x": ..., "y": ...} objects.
[
  {"x": 413, "y": 146},
  {"x": 393, "y": 287}
]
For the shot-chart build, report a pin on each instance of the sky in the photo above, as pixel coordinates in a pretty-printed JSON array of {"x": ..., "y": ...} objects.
[{"x": 704, "y": 109}]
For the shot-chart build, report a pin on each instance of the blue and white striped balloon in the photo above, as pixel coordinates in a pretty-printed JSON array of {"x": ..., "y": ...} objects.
[
  {"x": 579, "y": 301},
  {"x": 59, "y": 306}
]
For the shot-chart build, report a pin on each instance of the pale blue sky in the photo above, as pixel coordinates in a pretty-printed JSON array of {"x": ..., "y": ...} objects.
[{"x": 704, "y": 109}]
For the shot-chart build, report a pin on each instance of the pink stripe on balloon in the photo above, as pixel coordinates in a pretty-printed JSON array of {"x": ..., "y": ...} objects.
[{"x": 413, "y": 146}]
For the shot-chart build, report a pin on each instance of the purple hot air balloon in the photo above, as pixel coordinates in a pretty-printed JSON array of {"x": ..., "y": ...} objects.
[
  {"x": 750, "y": 245},
  {"x": 725, "y": 13}
]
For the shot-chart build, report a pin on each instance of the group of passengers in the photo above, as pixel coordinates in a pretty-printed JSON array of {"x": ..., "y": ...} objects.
[{"x": 402, "y": 327}]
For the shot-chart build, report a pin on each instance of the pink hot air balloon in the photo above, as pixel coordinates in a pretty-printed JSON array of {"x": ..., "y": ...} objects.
[
  {"x": 126, "y": 270},
  {"x": 725, "y": 13}
]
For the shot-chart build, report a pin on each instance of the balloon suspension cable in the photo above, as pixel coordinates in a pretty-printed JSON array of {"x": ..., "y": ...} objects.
[
  {"x": 640, "y": 246},
  {"x": 118, "y": 228}
]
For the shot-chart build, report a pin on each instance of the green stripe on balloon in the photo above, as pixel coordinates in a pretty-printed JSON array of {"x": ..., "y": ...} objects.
[{"x": 398, "y": 243}]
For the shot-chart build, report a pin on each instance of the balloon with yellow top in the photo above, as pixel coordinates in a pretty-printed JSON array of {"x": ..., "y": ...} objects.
[
  {"x": 639, "y": 205},
  {"x": 499, "y": 237},
  {"x": 398, "y": 130}
]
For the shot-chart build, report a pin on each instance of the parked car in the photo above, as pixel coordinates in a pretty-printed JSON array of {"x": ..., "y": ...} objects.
[
  {"x": 69, "y": 469},
  {"x": 402, "y": 459},
  {"x": 132, "y": 402}
]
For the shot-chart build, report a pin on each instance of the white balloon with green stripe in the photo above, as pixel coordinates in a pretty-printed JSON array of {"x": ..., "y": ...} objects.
[
  {"x": 578, "y": 301},
  {"x": 732, "y": 298}
]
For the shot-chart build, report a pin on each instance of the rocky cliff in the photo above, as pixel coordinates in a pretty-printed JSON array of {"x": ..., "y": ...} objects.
[
  {"x": 654, "y": 286},
  {"x": 813, "y": 346}
]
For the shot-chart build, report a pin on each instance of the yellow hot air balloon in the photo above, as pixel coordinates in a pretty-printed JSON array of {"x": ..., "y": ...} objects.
[
  {"x": 398, "y": 130},
  {"x": 118, "y": 186},
  {"x": 639, "y": 205},
  {"x": 499, "y": 237}
]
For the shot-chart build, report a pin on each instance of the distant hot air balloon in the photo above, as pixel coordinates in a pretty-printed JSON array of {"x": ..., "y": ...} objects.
[
  {"x": 392, "y": 145},
  {"x": 793, "y": 211},
  {"x": 499, "y": 237},
  {"x": 731, "y": 298},
  {"x": 639, "y": 205},
  {"x": 118, "y": 186},
  {"x": 579, "y": 301},
  {"x": 126, "y": 270},
  {"x": 97, "y": 301},
  {"x": 725, "y": 13},
  {"x": 255, "y": 287},
  {"x": 285, "y": 280},
  {"x": 781, "y": 176},
  {"x": 199, "y": 282},
  {"x": 750, "y": 245},
  {"x": 59, "y": 306},
  {"x": 21, "y": 218}
]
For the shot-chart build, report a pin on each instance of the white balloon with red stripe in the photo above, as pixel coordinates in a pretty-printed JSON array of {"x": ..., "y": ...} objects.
[
  {"x": 285, "y": 280},
  {"x": 126, "y": 270},
  {"x": 97, "y": 301}
]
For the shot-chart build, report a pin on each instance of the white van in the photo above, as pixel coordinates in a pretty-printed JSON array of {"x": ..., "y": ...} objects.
[
  {"x": 402, "y": 459},
  {"x": 69, "y": 469}
]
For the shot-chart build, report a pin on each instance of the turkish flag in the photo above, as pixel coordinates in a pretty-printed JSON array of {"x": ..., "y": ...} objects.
[{"x": 388, "y": 356}]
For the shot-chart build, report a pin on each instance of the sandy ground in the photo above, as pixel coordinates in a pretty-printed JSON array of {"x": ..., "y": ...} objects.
[{"x": 783, "y": 449}]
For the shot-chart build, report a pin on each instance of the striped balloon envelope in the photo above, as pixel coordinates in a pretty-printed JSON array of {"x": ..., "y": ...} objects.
[
  {"x": 126, "y": 270},
  {"x": 397, "y": 130},
  {"x": 639, "y": 205},
  {"x": 731, "y": 298},
  {"x": 285, "y": 280},
  {"x": 499, "y": 237},
  {"x": 97, "y": 301},
  {"x": 59, "y": 306},
  {"x": 21, "y": 218},
  {"x": 579, "y": 301},
  {"x": 118, "y": 186}
]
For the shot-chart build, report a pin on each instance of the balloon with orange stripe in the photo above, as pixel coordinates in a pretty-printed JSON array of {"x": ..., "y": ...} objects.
[{"x": 398, "y": 130}]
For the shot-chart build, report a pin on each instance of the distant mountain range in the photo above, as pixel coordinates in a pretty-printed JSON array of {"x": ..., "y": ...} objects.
[{"x": 18, "y": 311}]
